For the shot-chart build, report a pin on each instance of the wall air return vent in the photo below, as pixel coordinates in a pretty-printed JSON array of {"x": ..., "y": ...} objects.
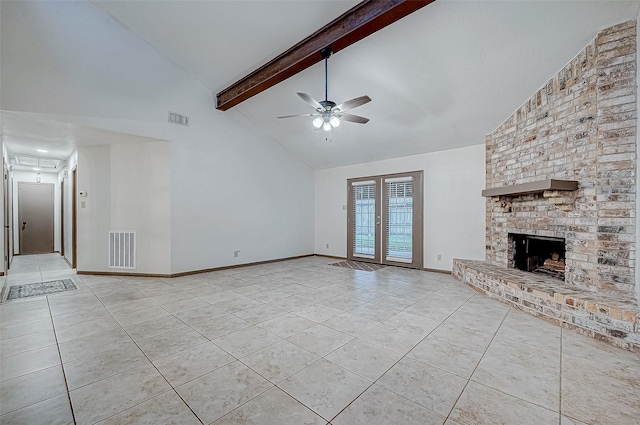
[
  {"x": 178, "y": 119},
  {"x": 122, "y": 249}
]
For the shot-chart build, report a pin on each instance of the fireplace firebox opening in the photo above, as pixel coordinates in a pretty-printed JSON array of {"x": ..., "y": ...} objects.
[{"x": 538, "y": 254}]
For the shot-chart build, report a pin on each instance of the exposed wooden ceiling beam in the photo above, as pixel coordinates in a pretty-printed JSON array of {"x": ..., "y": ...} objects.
[{"x": 354, "y": 25}]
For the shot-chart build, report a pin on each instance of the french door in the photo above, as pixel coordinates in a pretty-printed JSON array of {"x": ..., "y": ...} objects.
[{"x": 385, "y": 219}]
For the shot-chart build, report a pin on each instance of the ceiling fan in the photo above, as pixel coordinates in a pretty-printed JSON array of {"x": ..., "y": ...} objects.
[{"x": 329, "y": 114}]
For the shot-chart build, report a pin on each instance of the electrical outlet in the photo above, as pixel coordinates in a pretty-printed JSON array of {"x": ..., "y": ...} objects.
[
  {"x": 236, "y": 253},
  {"x": 439, "y": 257},
  {"x": 327, "y": 246}
]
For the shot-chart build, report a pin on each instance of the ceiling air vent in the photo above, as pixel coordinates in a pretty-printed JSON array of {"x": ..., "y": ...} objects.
[{"x": 178, "y": 119}]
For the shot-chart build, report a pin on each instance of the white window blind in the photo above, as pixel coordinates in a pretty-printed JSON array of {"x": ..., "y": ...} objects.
[
  {"x": 364, "y": 183},
  {"x": 364, "y": 228},
  {"x": 399, "y": 223},
  {"x": 398, "y": 179}
]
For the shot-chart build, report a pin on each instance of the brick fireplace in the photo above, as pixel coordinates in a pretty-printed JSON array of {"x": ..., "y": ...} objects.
[
  {"x": 581, "y": 126},
  {"x": 563, "y": 168}
]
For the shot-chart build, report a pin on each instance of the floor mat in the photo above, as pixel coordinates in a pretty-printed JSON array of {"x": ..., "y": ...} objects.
[
  {"x": 40, "y": 288},
  {"x": 357, "y": 265}
]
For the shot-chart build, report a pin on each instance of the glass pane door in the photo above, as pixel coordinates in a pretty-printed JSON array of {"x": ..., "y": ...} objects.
[
  {"x": 364, "y": 210},
  {"x": 385, "y": 219},
  {"x": 399, "y": 223}
]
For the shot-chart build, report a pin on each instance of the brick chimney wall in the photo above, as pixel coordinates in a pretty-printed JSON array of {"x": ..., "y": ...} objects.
[{"x": 582, "y": 125}]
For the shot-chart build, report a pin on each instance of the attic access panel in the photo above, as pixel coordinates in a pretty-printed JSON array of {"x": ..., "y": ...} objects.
[{"x": 29, "y": 161}]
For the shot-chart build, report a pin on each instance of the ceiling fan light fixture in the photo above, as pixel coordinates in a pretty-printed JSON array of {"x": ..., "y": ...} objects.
[{"x": 328, "y": 115}]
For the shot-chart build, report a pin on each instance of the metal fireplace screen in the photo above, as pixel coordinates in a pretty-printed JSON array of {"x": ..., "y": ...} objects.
[{"x": 539, "y": 254}]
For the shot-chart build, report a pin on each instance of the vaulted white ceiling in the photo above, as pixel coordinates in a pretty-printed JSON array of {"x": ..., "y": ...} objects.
[{"x": 440, "y": 78}]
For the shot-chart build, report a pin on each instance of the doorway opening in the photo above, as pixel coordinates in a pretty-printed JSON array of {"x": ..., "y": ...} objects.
[
  {"x": 385, "y": 219},
  {"x": 62, "y": 233},
  {"x": 6, "y": 205},
  {"x": 74, "y": 219}
]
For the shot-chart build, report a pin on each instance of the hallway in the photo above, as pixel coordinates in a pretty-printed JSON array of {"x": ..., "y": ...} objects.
[{"x": 35, "y": 268}]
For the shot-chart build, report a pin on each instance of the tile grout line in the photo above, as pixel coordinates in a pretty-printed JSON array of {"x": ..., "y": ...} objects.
[
  {"x": 508, "y": 394},
  {"x": 560, "y": 381},
  {"x": 152, "y": 364},
  {"x": 480, "y": 361},
  {"x": 42, "y": 280},
  {"x": 236, "y": 360},
  {"x": 398, "y": 361},
  {"x": 391, "y": 293},
  {"x": 64, "y": 373},
  {"x": 277, "y": 385},
  {"x": 243, "y": 363},
  {"x": 209, "y": 340},
  {"x": 324, "y": 357},
  {"x": 337, "y": 414}
]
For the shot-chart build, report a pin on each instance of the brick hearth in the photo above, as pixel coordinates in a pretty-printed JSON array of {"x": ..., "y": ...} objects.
[{"x": 614, "y": 318}]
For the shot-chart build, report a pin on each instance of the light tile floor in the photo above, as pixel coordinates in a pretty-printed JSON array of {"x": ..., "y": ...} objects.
[{"x": 296, "y": 342}]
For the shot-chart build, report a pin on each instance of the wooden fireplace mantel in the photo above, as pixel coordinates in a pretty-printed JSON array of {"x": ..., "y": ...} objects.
[{"x": 531, "y": 188}]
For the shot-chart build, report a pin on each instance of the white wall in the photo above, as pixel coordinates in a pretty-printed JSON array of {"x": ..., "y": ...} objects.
[
  {"x": 231, "y": 187},
  {"x": 238, "y": 192},
  {"x": 127, "y": 187},
  {"x": 30, "y": 176},
  {"x": 141, "y": 200},
  {"x": 94, "y": 211},
  {"x": 454, "y": 210}
]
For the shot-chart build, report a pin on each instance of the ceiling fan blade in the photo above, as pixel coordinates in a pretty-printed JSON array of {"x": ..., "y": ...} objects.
[
  {"x": 353, "y": 118},
  {"x": 311, "y": 101},
  {"x": 298, "y": 115},
  {"x": 353, "y": 103}
]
